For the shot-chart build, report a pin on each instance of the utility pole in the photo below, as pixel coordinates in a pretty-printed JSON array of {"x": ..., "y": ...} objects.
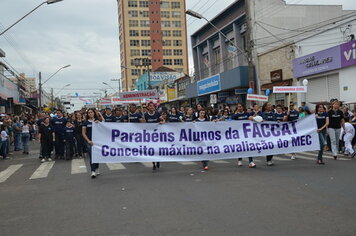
[{"x": 40, "y": 90}]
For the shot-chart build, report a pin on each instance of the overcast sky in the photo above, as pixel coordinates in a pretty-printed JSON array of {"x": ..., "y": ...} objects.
[{"x": 83, "y": 33}]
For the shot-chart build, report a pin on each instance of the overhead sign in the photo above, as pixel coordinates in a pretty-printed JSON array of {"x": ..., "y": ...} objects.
[
  {"x": 144, "y": 94},
  {"x": 256, "y": 97},
  {"x": 119, "y": 101},
  {"x": 209, "y": 85},
  {"x": 165, "y": 76},
  {"x": 290, "y": 89}
]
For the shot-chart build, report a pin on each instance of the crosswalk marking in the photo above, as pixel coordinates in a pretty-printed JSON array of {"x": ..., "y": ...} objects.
[
  {"x": 281, "y": 159},
  {"x": 4, "y": 175},
  {"x": 187, "y": 163},
  {"x": 43, "y": 170},
  {"x": 78, "y": 166},
  {"x": 115, "y": 166}
]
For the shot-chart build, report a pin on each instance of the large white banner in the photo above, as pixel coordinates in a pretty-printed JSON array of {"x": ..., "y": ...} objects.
[{"x": 140, "y": 142}]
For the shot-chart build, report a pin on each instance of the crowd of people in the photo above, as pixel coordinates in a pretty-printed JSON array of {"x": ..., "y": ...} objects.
[{"x": 65, "y": 136}]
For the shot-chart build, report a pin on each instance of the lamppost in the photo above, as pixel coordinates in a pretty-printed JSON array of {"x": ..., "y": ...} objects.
[
  {"x": 109, "y": 86},
  {"x": 248, "y": 57},
  {"x": 117, "y": 80},
  {"x": 45, "y": 2},
  {"x": 40, "y": 84}
]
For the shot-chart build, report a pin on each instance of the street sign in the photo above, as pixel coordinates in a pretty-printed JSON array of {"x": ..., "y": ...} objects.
[
  {"x": 290, "y": 89},
  {"x": 213, "y": 98},
  {"x": 256, "y": 97}
]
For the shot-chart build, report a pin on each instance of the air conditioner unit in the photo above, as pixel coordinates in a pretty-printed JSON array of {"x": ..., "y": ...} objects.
[{"x": 243, "y": 28}]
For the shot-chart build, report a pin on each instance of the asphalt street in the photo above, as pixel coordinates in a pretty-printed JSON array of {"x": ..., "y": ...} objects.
[{"x": 294, "y": 197}]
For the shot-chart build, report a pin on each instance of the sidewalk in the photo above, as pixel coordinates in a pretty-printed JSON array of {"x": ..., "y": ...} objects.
[{"x": 18, "y": 155}]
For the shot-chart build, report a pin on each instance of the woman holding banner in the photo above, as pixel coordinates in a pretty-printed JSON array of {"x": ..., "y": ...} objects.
[
  {"x": 292, "y": 115},
  {"x": 189, "y": 115},
  {"x": 268, "y": 115},
  {"x": 152, "y": 116},
  {"x": 202, "y": 117},
  {"x": 322, "y": 121},
  {"x": 92, "y": 116},
  {"x": 241, "y": 114}
]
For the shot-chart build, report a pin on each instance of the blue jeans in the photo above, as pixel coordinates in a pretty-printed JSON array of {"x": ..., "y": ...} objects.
[
  {"x": 93, "y": 166},
  {"x": 322, "y": 139},
  {"x": 17, "y": 141},
  {"x": 26, "y": 141}
]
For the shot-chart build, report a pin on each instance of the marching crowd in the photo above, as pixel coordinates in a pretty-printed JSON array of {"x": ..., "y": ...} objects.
[{"x": 70, "y": 135}]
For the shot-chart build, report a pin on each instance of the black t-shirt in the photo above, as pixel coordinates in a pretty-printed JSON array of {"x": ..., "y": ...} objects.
[
  {"x": 321, "y": 119},
  {"x": 78, "y": 125},
  {"x": 279, "y": 116},
  {"x": 134, "y": 118},
  {"x": 59, "y": 124},
  {"x": 240, "y": 116},
  {"x": 39, "y": 122},
  {"x": 110, "y": 118},
  {"x": 88, "y": 125},
  {"x": 335, "y": 118},
  {"x": 69, "y": 133},
  {"x": 268, "y": 116},
  {"x": 46, "y": 132},
  {"x": 174, "y": 118},
  {"x": 152, "y": 118},
  {"x": 189, "y": 118},
  {"x": 293, "y": 115}
]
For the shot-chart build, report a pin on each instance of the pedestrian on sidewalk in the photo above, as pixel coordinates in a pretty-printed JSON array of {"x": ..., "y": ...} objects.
[
  {"x": 4, "y": 142},
  {"x": 46, "y": 138},
  {"x": 25, "y": 136},
  {"x": 349, "y": 135},
  {"x": 17, "y": 128}
]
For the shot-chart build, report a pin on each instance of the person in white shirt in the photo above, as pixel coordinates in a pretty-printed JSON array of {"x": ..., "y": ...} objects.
[
  {"x": 349, "y": 135},
  {"x": 4, "y": 143}
]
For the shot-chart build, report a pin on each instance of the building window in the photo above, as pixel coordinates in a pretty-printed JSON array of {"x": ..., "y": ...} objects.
[
  {"x": 178, "y": 61},
  {"x": 165, "y": 4},
  {"x": 133, "y": 23},
  {"x": 133, "y": 13},
  {"x": 166, "y": 42},
  {"x": 166, "y": 33},
  {"x": 176, "y": 24},
  {"x": 177, "y": 52},
  {"x": 143, "y": 3},
  {"x": 177, "y": 33},
  {"x": 165, "y": 23},
  {"x": 167, "y": 62},
  {"x": 146, "y": 43},
  {"x": 165, "y": 14},
  {"x": 177, "y": 43},
  {"x": 175, "y": 5},
  {"x": 146, "y": 52},
  {"x": 144, "y": 13},
  {"x": 145, "y": 33},
  {"x": 134, "y": 33},
  {"x": 135, "y": 72},
  {"x": 167, "y": 52},
  {"x": 144, "y": 23},
  {"x": 135, "y": 43},
  {"x": 176, "y": 14},
  {"x": 134, "y": 52},
  {"x": 133, "y": 3}
]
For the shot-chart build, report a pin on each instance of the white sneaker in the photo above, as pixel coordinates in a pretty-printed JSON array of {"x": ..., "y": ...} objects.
[
  {"x": 252, "y": 165},
  {"x": 239, "y": 163},
  {"x": 269, "y": 163},
  {"x": 93, "y": 175},
  {"x": 43, "y": 160},
  {"x": 49, "y": 159},
  {"x": 292, "y": 157}
]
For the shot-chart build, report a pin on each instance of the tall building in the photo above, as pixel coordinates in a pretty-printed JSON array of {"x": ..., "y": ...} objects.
[
  {"x": 152, "y": 34},
  {"x": 27, "y": 84}
]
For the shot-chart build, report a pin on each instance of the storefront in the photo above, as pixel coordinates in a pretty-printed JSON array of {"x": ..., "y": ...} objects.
[{"x": 330, "y": 74}]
